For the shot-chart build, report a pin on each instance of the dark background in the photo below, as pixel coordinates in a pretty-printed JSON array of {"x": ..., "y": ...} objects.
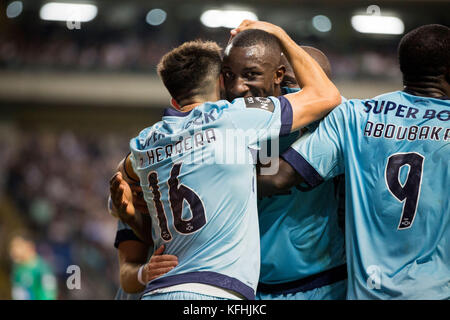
[{"x": 70, "y": 100}]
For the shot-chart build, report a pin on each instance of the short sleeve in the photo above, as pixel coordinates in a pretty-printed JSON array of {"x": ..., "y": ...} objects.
[
  {"x": 124, "y": 233},
  {"x": 318, "y": 156},
  {"x": 261, "y": 118}
]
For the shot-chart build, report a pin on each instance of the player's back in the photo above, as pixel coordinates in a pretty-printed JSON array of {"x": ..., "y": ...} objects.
[
  {"x": 200, "y": 187},
  {"x": 397, "y": 167}
]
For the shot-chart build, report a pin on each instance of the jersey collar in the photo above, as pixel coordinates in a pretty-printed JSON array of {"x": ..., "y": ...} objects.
[{"x": 171, "y": 112}]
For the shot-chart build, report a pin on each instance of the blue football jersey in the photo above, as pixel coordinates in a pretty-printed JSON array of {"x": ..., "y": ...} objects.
[
  {"x": 394, "y": 150},
  {"x": 300, "y": 235},
  {"x": 198, "y": 178}
]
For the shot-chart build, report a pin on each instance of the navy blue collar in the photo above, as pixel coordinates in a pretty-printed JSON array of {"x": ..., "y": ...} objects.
[{"x": 175, "y": 113}]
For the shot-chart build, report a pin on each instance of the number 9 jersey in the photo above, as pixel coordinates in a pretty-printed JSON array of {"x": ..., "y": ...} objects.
[
  {"x": 395, "y": 151},
  {"x": 197, "y": 174}
]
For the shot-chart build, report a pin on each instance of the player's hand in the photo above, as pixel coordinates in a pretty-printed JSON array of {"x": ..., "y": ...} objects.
[
  {"x": 261, "y": 25},
  {"x": 158, "y": 265},
  {"x": 122, "y": 198}
]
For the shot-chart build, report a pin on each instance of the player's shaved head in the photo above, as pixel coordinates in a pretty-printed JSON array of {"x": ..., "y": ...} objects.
[
  {"x": 260, "y": 38},
  {"x": 320, "y": 58},
  {"x": 191, "y": 70},
  {"x": 252, "y": 65},
  {"x": 425, "y": 51},
  {"x": 289, "y": 77}
]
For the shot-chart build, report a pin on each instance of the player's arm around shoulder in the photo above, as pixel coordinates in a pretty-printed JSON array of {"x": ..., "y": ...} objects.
[
  {"x": 279, "y": 183},
  {"x": 318, "y": 95},
  {"x": 127, "y": 198},
  {"x": 294, "y": 166},
  {"x": 126, "y": 168}
]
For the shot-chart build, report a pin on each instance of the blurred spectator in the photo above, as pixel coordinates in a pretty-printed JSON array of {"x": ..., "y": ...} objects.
[
  {"x": 134, "y": 52},
  {"x": 59, "y": 184},
  {"x": 32, "y": 278}
]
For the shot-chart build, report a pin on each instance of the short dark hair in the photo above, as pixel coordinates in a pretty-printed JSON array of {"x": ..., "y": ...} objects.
[
  {"x": 190, "y": 69},
  {"x": 252, "y": 37},
  {"x": 425, "y": 51}
]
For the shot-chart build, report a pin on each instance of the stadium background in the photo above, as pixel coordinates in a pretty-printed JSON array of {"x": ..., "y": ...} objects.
[{"x": 70, "y": 99}]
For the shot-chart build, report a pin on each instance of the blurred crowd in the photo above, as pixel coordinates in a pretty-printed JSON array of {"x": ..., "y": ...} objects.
[
  {"x": 58, "y": 183},
  {"x": 65, "y": 54},
  {"x": 134, "y": 53}
]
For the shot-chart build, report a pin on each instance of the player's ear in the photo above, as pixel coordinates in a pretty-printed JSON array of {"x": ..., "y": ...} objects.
[
  {"x": 221, "y": 87},
  {"x": 175, "y": 104},
  {"x": 279, "y": 74},
  {"x": 221, "y": 82}
]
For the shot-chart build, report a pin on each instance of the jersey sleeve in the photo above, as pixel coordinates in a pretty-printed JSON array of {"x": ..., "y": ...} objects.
[
  {"x": 319, "y": 156},
  {"x": 261, "y": 119},
  {"x": 124, "y": 233}
]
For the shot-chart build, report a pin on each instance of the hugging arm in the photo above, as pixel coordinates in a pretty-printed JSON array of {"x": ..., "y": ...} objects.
[{"x": 279, "y": 183}]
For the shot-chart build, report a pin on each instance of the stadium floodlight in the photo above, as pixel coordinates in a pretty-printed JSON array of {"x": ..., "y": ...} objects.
[
  {"x": 14, "y": 9},
  {"x": 59, "y": 11},
  {"x": 377, "y": 24},
  {"x": 322, "y": 23},
  {"x": 226, "y": 18},
  {"x": 155, "y": 17}
]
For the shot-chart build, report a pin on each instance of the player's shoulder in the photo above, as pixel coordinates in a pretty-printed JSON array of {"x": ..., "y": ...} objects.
[
  {"x": 143, "y": 139},
  {"x": 384, "y": 96},
  {"x": 348, "y": 110},
  {"x": 240, "y": 104},
  {"x": 413, "y": 99},
  {"x": 213, "y": 109},
  {"x": 268, "y": 104},
  {"x": 388, "y": 95},
  {"x": 359, "y": 105},
  {"x": 213, "y": 105},
  {"x": 402, "y": 97},
  {"x": 397, "y": 98}
]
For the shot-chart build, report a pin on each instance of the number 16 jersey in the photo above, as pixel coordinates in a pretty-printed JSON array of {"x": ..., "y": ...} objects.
[
  {"x": 395, "y": 152},
  {"x": 198, "y": 178}
]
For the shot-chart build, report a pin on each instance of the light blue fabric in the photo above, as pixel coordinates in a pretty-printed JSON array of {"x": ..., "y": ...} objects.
[
  {"x": 394, "y": 150},
  {"x": 299, "y": 231},
  {"x": 203, "y": 205}
]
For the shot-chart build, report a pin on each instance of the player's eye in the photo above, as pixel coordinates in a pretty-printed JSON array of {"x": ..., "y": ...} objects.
[
  {"x": 250, "y": 75},
  {"x": 227, "y": 75}
]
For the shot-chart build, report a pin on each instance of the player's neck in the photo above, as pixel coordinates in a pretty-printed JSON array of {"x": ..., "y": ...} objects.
[
  {"x": 277, "y": 91},
  {"x": 189, "y": 104},
  {"x": 189, "y": 107},
  {"x": 431, "y": 86}
]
